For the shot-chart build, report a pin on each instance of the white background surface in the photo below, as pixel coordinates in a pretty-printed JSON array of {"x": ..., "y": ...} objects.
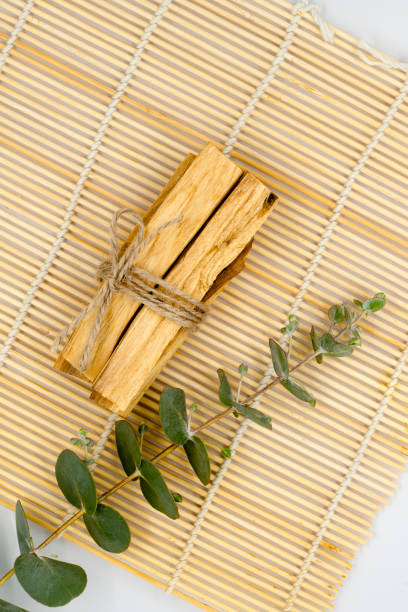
[{"x": 379, "y": 579}]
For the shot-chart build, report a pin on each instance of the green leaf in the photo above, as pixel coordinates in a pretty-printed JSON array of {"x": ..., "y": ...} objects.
[
  {"x": 224, "y": 391},
  {"x": 375, "y": 303},
  {"x": 173, "y": 415},
  {"x": 348, "y": 315},
  {"x": 155, "y": 490},
  {"x": 76, "y": 482},
  {"x": 299, "y": 390},
  {"x": 77, "y": 442},
  {"x": 291, "y": 326},
  {"x": 108, "y": 528},
  {"x": 279, "y": 359},
  {"x": 332, "y": 348},
  {"x": 243, "y": 369},
  {"x": 198, "y": 457},
  {"x": 355, "y": 340},
  {"x": 226, "y": 453},
  {"x": 128, "y": 447},
  {"x": 254, "y": 415},
  {"x": 52, "y": 583},
  {"x": 336, "y": 313},
  {"x": 142, "y": 428},
  {"x": 315, "y": 343},
  {"x": 177, "y": 498},
  {"x": 25, "y": 542},
  {"x": 358, "y": 303},
  {"x": 6, "y": 606}
]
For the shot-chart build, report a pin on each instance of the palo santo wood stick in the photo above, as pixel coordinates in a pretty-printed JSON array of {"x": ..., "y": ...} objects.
[
  {"x": 195, "y": 190},
  {"x": 151, "y": 338},
  {"x": 220, "y": 282}
]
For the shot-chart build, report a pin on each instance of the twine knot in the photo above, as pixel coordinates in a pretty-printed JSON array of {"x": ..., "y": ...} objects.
[
  {"x": 118, "y": 274},
  {"x": 304, "y": 6}
]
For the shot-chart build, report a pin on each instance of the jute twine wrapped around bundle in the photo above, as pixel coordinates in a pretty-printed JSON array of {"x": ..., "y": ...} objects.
[{"x": 118, "y": 274}]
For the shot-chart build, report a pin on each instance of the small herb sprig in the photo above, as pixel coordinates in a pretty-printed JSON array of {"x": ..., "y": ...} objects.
[{"x": 55, "y": 583}]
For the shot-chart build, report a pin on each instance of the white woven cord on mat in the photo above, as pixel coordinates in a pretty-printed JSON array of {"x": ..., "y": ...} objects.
[
  {"x": 298, "y": 9},
  {"x": 15, "y": 33},
  {"x": 84, "y": 173},
  {"x": 79, "y": 185},
  {"x": 347, "y": 480},
  {"x": 327, "y": 33},
  {"x": 270, "y": 371},
  {"x": 380, "y": 61}
]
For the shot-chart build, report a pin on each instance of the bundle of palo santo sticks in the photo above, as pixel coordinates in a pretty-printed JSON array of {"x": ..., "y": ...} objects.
[{"x": 219, "y": 207}]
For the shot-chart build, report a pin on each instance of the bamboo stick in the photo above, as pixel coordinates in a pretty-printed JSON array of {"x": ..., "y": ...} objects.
[
  {"x": 322, "y": 109},
  {"x": 194, "y": 191},
  {"x": 152, "y": 339}
]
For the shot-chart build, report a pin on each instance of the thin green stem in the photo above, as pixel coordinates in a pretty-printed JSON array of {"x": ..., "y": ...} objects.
[
  {"x": 63, "y": 526},
  {"x": 60, "y": 529},
  {"x": 301, "y": 363},
  {"x": 239, "y": 389},
  {"x": 6, "y": 576},
  {"x": 49, "y": 539},
  {"x": 290, "y": 345},
  {"x": 169, "y": 449}
]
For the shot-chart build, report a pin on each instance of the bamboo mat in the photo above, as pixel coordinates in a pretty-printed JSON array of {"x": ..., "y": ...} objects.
[{"x": 266, "y": 541}]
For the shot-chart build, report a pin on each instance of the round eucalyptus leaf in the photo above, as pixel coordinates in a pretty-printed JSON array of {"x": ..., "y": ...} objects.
[
  {"x": 108, "y": 528},
  {"x": 128, "y": 447},
  {"x": 76, "y": 482},
  {"x": 198, "y": 457},
  {"x": 52, "y": 583},
  {"x": 156, "y": 491},
  {"x": 25, "y": 543},
  {"x": 6, "y": 606},
  {"x": 173, "y": 415}
]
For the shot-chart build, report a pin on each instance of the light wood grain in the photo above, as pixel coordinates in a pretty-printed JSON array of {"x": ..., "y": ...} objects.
[
  {"x": 194, "y": 192},
  {"x": 75, "y": 343},
  {"x": 151, "y": 338}
]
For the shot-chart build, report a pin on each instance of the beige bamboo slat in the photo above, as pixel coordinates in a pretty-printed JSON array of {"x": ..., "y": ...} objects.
[{"x": 200, "y": 67}]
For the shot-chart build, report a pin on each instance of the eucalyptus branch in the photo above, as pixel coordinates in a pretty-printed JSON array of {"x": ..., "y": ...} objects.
[
  {"x": 42, "y": 577},
  {"x": 135, "y": 475},
  {"x": 301, "y": 363},
  {"x": 159, "y": 457},
  {"x": 114, "y": 489}
]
